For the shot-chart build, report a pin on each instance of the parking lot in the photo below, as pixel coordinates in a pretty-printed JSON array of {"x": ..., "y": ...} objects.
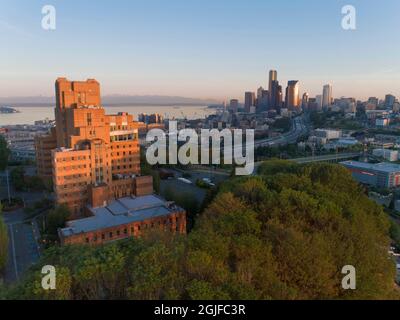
[{"x": 181, "y": 187}]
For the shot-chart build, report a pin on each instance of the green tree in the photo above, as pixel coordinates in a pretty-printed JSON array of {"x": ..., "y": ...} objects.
[
  {"x": 55, "y": 220},
  {"x": 18, "y": 178},
  {"x": 395, "y": 233},
  {"x": 4, "y": 153},
  {"x": 185, "y": 200},
  {"x": 285, "y": 234}
]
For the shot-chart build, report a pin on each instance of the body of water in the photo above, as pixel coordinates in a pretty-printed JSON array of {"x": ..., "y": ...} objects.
[{"x": 28, "y": 115}]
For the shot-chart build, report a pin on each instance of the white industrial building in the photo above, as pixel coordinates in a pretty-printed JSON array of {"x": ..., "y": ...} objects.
[
  {"x": 389, "y": 155},
  {"x": 328, "y": 134}
]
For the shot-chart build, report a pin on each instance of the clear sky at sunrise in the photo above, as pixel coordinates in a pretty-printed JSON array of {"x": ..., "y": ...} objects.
[{"x": 200, "y": 48}]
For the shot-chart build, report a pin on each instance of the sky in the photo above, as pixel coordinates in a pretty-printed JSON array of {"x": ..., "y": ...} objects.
[{"x": 200, "y": 48}]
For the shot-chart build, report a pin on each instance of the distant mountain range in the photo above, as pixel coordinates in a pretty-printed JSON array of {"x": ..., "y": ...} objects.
[{"x": 114, "y": 100}]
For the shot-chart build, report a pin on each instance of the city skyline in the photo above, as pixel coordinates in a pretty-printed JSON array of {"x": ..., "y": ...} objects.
[{"x": 152, "y": 48}]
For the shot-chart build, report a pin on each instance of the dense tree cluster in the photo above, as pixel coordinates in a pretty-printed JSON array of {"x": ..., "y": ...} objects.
[
  {"x": 4, "y": 153},
  {"x": 22, "y": 182},
  {"x": 285, "y": 234}
]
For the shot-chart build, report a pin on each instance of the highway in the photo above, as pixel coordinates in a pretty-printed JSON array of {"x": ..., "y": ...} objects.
[
  {"x": 299, "y": 129},
  {"x": 325, "y": 158}
]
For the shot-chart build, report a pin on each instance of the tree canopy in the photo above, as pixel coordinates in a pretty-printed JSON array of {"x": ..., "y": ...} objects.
[
  {"x": 285, "y": 234},
  {"x": 4, "y": 153}
]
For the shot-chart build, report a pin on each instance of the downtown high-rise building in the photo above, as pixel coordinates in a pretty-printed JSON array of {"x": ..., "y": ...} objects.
[
  {"x": 272, "y": 87},
  {"x": 263, "y": 101},
  {"x": 260, "y": 91},
  {"x": 249, "y": 101},
  {"x": 234, "y": 105},
  {"x": 390, "y": 101},
  {"x": 292, "y": 99},
  {"x": 275, "y": 96},
  {"x": 327, "y": 96},
  {"x": 304, "y": 101},
  {"x": 273, "y": 76},
  {"x": 318, "y": 100}
]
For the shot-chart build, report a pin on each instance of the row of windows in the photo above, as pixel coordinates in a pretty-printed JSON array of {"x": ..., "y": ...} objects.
[
  {"x": 123, "y": 160},
  {"x": 122, "y": 153},
  {"x": 78, "y": 158},
  {"x": 83, "y": 166},
  {"x": 118, "y": 233},
  {"x": 116, "y": 168},
  {"x": 124, "y": 146},
  {"x": 74, "y": 185},
  {"x": 67, "y": 196},
  {"x": 75, "y": 176},
  {"x": 119, "y": 128}
]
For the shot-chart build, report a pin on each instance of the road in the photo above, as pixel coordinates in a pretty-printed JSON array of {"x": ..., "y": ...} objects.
[
  {"x": 325, "y": 158},
  {"x": 300, "y": 128},
  {"x": 184, "y": 188},
  {"x": 23, "y": 245},
  {"x": 23, "y": 234}
]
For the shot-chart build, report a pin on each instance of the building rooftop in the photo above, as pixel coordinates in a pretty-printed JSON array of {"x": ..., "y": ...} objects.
[
  {"x": 120, "y": 212},
  {"x": 383, "y": 166}
]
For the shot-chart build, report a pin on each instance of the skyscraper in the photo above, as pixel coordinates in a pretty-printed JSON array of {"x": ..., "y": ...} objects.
[
  {"x": 263, "y": 101},
  {"x": 275, "y": 96},
  {"x": 249, "y": 101},
  {"x": 292, "y": 99},
  {"x": 318, "y": 100},
  {"x": 389, "y": 100},
  {"x": 327, "y": 96},
  {"x": 234, "y": 105},
  {"x": 273, "y": 81},
  {"x": 260, "y": 92},
  {"x": 304, "y": 101},
  {"x": 273, "y": 76}
]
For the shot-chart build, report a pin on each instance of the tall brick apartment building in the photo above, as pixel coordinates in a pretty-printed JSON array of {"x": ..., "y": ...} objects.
[{"x": 92, "y": 158}]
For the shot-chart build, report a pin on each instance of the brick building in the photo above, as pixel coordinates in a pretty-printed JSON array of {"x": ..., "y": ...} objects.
[
  {"x": 87, "y": 147},
  {"x": 124, "y": 218},
  {"x": 44, "y": 145},
  {"x": 94, "y": 162}
]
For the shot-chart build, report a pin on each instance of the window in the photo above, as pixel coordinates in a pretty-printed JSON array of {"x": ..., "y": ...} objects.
[
  {"x": 89, "y": 119},
  {"x": 111, "y": 234}
]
